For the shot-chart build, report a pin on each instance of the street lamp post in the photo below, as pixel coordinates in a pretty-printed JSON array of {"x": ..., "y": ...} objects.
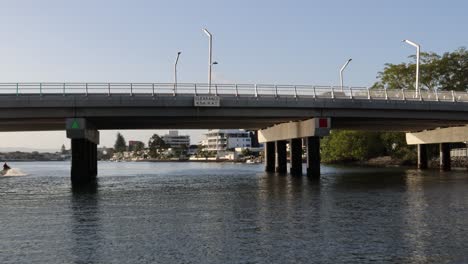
[
  {"x": 216, "y": 86},
  {"x": 418, "y": 48},
  {"x": 341, "y": 72},
  {"x": 175, "y": 72},
  {"x": 210, "y": 54}
]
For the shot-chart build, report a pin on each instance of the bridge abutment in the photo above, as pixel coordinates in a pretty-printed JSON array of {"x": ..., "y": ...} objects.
[
  {"x": 296, "y": 156},
  {"x": 281, "y": 157},
  {"x": 422, "y": 156},
  {"x": 445, "y": 163},
  {"x": 313, "y": 156},
  {"x": 84, "y": 141}
]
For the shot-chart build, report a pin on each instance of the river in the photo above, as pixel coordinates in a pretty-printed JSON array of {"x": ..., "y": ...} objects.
[{"x": 232, "y": 213}]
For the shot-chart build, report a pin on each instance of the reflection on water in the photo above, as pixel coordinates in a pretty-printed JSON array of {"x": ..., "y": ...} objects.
[
  {"x": 227, "y": 213},
  {"x": 414, "y": 219},
  {"x": 85, "y": 224}
]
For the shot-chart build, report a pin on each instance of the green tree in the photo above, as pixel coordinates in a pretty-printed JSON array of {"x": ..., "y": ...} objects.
[
  {"x": 246, "y": 152},
  {"x": 395, "y": 146},
  {"x": 454, "y": 70},
  {"x": 395, "y": 76},
  {"x": 184, "y": 148},
  {"x": 138, "y": 146},
  {"x": 447, "y": 72},
  {"x": 63, "y": 150},
  {"x": 345, "y": 145},
  {"x": 120, "y": 144},
  {"x": 155, "y": 145}
]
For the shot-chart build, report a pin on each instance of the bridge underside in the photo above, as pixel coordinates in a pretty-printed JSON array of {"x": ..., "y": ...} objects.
[
  {"x": 101, "y": 112},
  {"x": 106, "y": 123},
  {"x": 49, "y": 112}
]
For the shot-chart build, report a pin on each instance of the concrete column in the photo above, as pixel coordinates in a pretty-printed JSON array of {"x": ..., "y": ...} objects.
[
  {"x": 281, "y": 157},
  {"x": 270, "y": 156},
  {"x": 296, "y": 156},
  {"x": 445, "y": 162},
  {"x": 422, "y": 156},
  {"x": 84, "y": 141},
  {"x": 313, "y": 157},
  {"x": 92, "y": 153},
  {"x": 95, "y": 159},
  {"x": 82, "y": 170},
  {"x": 466, "y": 156}
]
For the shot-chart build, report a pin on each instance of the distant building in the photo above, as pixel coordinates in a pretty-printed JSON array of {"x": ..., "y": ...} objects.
[
  {"x": 226, "y": 139},
  {"x": 254, "y": 139},
  {"x": 174, "y": 140}
]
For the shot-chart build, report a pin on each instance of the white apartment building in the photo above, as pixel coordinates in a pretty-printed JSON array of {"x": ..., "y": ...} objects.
[
  {"x": 224, "y": 139},
  {"x": 175, "y": 141}
]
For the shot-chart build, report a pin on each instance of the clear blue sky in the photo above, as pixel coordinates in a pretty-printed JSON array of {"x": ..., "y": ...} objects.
[{"x": 287, "y": 42}]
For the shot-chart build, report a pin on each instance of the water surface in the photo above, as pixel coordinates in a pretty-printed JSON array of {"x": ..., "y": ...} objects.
[{"x": 232, "y": 213}]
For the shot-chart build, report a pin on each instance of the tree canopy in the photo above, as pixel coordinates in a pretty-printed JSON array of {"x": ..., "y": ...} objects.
[
  {"x": 437, "y": 72},
  {"x": 120, "y": 144},
  {"x": 138, "y": 146},
  {"x": 155, "y": 144},
  {"x": 63, "y": 150},
  {"x": 346, "y": 145}
]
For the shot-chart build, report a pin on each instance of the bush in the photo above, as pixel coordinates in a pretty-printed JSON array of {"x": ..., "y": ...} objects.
[{"x": 345, "y": 145}]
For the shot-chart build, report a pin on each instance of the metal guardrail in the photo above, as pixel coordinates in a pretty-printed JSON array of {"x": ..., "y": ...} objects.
[{"x": 241, "y": 90}]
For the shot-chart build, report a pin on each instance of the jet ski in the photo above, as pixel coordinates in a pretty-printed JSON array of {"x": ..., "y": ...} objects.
[
  {"x": 4, "y": 171},
  {"x": 6, "y": 168}
]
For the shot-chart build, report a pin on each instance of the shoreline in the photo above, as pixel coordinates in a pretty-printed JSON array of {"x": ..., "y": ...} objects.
[
  {"x": 379, "y": 162},
  {"x": 388, "y": 162}
]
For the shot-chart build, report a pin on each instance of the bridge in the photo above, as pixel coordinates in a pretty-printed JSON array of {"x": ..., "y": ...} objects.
[{"x": 84, "y": 108}]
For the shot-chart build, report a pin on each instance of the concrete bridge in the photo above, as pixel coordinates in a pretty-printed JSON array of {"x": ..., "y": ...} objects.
[{"x": 84, "y": 108}]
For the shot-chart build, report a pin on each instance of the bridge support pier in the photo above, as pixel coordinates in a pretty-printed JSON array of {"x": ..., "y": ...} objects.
[
  {"x": 281, "y": 157},
  {"x": 313, "y": 157},
  {"x": 445, "y": 163},
  {"x": 311, "y": 130},
  {"x": 422, "y": 156},
  {"x": 84, "y": 160},
  {"x": 270, "y": 156},
  {"x": 84, "y": 141},
  {"x": 296, "y": 156}
]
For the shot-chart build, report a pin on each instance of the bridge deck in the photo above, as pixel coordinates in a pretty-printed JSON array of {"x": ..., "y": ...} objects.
[{"x": 47, "y": 111}]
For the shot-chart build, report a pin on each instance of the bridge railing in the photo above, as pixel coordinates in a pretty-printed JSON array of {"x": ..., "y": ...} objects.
[{"x": 240, "y": 90}]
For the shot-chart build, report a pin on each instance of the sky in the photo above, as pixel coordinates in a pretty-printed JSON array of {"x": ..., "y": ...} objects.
[{"x": 271, "y": 42}]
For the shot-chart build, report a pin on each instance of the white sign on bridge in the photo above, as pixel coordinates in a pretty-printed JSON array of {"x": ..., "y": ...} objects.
[{"x": 207, "y": 101}]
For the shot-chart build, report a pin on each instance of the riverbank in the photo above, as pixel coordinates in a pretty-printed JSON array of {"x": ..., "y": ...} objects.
[
  {"x": 185, "y": 160},
  {"x": 33, "y": 156},
  {"x": 384, "y": 161},
  {"x": 456, "y": 162},
  {"x": 387, "y": 161}
]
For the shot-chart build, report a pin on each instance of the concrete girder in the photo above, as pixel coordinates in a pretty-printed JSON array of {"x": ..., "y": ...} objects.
[
  {"x": 300, "y": 129},
  {"x": 441, "y": 135}
]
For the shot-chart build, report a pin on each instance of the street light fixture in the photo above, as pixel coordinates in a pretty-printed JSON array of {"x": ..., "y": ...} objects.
[
  {"x": 175, "y": 72},
  {"x": 418, "y": 48},
  {"x": 216, "y": 86},
  {"x": 341, "y": 72},
  {"x": 210, "y": 54}
]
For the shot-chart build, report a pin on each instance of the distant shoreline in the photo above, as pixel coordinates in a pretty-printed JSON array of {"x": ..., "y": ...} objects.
[{"x": 205, "y": 161}]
